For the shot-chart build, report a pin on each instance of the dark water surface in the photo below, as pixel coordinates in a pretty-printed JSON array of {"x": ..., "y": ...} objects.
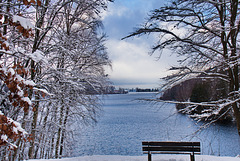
[{"x": 125, "y": 123}]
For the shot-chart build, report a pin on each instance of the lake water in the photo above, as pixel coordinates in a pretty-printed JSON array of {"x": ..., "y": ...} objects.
[{"x": 125, "y": 123}]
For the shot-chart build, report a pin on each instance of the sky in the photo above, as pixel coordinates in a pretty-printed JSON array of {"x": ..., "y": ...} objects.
[{"x": 132, "y": 66}]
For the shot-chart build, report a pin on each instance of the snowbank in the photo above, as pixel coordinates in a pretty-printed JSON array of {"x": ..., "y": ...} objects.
[{"x": 144, "y": 158}]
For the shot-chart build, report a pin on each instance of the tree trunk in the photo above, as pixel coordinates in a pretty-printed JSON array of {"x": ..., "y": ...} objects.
[
  {"x": 36, "y": 44},
  {"x": 59, "y": 132},
  {"x": 33, "y": 129},
  {"x": 52, "y": 147},
  {"x": 234, "y": 71},
  {"x": 63, "y": 132},
  {"x": 42, "y": 136},
  {"x": 19, "y": 143},
  {"x": 237, "y": 116}
]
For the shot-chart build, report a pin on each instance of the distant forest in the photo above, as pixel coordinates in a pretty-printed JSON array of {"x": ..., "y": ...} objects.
[{"x": 114, "y": 90}]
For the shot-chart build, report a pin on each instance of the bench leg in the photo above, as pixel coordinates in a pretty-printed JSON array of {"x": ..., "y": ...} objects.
[
  {"x": 192, "y": 157},
  {"x": 149, "y": 157}
]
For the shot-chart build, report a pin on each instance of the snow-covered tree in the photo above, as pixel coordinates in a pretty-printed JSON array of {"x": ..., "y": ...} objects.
[
  {"x": 205, "y": 35},
  {"x": 14, "y": 76},
  {"x": 76, "y": 75},
  {"x": 59, "y": 51}
]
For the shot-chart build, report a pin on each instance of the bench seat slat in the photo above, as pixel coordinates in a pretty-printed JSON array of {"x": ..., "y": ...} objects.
[
  {"x": 155, "y": 152},
  {"x": 153, "y": 143},
  {"x": 153, "y": 147},
  {"x": 170, "y": 148}
]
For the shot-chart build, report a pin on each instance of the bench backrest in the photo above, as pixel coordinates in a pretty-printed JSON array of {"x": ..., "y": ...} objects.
[{"x": 171, "y": 146}]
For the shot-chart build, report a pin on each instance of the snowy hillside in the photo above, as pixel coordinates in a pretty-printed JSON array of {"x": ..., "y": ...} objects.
[{"x": 144, "y": 158}]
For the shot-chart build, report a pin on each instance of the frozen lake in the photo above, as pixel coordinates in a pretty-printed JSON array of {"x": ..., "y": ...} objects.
[{"x": 125, "y": 123}]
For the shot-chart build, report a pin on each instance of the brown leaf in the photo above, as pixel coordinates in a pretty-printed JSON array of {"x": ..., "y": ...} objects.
[
  {"x": 32, "y": 1},
  {"x": 25, "y": 109},
  {"x": 38, "y": 2},
  {"x": 4, "y": 45},
  {"x": 19, "y": 71},
  {"x": 3, "y": 119},
  {"x": 43, "y": 94},
  {"x": 20, "y": 29},
  {"x": 15, "y": 104},
  {"x": 25, "y": 94},
  {"x": 34, "y": 109},
  {"x": 27, "y": 35},
  {"x": 4, "y": 127},
  {"x": 21, "y": 85},
  {"x": 2, "y": 142},
  {"x": 25, "y": 2},
  {"x": 26, "y": 105},
  {"x": 30, "y": 138},
  {"x": 21, "y": 103}
]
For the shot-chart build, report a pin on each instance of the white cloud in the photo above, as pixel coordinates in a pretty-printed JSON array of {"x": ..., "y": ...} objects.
[
  {"x": 114, "y": 10},
  {"x": 132, "y": 63}
]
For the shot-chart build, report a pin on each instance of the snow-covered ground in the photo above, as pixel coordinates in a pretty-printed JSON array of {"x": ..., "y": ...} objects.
[{"x": 144, "y": 158}]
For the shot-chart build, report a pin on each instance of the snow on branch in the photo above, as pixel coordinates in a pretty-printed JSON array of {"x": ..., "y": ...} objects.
[
  {"x": 24, "y": 22},
  {"x": 37, "y": 56},
  {"x": 142, "y": 31},
  {"x": 213, "y": 111},
  {"x": 43, "y": 91},
  {"x": 10, "y": 130}
]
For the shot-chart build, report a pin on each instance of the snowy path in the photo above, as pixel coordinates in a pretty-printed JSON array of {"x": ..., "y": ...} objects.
[{"x": 144, "y": 158}]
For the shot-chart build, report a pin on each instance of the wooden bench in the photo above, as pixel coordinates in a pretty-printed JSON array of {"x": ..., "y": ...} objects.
[{"x": 171, "y": 148}]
